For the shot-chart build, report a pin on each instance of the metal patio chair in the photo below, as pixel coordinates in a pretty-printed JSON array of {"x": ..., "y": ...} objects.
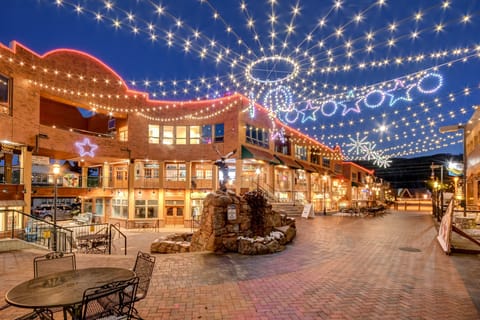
[
  {"x": 110, "y": 301},
  {"x": 50, "y": 263},
  {"x": 53, "y": 262},
  {"x": 143, "y": 268}
]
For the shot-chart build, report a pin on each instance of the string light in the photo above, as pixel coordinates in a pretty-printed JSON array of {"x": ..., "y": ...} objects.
[{"x": 302, "y": 83}]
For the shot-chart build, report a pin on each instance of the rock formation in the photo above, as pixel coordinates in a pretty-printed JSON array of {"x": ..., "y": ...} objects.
[{"x": 230, "y": 223}]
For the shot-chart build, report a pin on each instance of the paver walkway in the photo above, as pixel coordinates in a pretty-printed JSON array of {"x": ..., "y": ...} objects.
[{"x": 387, "y": 267}]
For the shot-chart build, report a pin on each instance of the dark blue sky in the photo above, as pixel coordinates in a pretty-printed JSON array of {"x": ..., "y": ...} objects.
[{"x": 377, "y": 78}]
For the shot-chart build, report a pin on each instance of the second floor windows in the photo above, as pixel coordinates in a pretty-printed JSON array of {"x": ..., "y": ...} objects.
[
  {"x": 175, "y": 172},
  {"x": 256, "y": 136},
  {"x": 301, "y": 152},
  {"x": 179, "y": 135},
  {"x": 153, "y": 133},
  {"x": 282, "y": 145}
]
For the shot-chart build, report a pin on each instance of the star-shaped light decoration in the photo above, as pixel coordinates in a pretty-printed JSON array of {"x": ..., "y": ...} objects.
[{"x": 86, "y": 148}]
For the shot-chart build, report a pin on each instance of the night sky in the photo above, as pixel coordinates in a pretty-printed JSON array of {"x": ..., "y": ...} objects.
[{"x": 376, "y": 77}]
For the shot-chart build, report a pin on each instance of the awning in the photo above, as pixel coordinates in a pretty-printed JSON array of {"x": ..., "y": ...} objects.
[
  {"x": 252, "y": 153},
  {"x": 306, "y": 166},
  {"x": 12, "y": 203},
  {"x": 288, "y": 162}
]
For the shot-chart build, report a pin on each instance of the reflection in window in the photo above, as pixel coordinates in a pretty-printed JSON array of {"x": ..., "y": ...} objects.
[
  {"x": 219, "y": 132},
  {"x": 206, "y": 134}
]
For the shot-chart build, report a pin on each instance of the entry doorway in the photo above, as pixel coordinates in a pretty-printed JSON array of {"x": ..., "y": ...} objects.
[{"x": 174, "y": 215}]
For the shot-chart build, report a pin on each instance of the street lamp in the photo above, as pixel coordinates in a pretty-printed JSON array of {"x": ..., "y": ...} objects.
[
  {"x": 436, "y": 166},
  {"x": 455, "y": 128},
  {"x": 324, "y": 178},
  {"x": 56, "y": 171}
]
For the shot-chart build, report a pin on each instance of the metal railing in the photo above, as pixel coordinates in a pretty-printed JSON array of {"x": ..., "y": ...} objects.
[
  {"x": 111, "y": 232},
  {"x": 37, "y": 231}
]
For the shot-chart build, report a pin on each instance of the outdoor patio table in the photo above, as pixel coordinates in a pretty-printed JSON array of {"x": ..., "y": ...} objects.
[
  {"x": 63, "y": 289},
  {"x": 92, "y": 242}
]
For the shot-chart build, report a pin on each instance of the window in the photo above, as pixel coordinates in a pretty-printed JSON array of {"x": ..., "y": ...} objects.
[
  {"x": 219, "y": 132},
  {"x": 5, "y": 94},
  {"x": 202, "y": 171},
  {"x": 326, "y": 162},
  {"x": 99, "y": 207},
  {"x": 182, "y": 172},
  {"x": 180, "y": 135},
  {"x": 176, "y": 172},
  {"x": 123, "y": 134},
  {"x": 168, "y": 135},
  {"x": 301, "y": 152},
  {"x": 153, "y": 133},
  {"x": 120, "y": 208},
  {"x": 194, "y": 134},
  {"x": 257, "y": 136},
  {"x": 315, "y": 156},
  {"x": 151, "y": 171},
  {"x": 87, "y": 205},
  {"x": 282, "y": 145},
  {"x": 121, "y": 173},
  {"x": 146, "y": 208},
  {"x": 206, "y": 134}
]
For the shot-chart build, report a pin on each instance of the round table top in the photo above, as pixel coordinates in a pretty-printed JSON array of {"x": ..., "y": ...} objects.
[{"x": 63, "y": 288}]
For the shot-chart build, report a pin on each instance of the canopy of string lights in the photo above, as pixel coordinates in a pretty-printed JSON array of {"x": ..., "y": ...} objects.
[{"x": 375, "y": 77}]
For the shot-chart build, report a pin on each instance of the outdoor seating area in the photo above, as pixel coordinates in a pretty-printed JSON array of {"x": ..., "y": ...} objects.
[{"x": 59, "y": 289}]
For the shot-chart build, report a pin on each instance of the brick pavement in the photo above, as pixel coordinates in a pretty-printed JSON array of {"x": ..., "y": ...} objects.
[{"x": 387, "y": 267}]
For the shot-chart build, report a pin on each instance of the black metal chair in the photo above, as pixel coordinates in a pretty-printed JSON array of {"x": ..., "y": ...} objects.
[
  {"x": 110, "y": 301},
  {"x": 143, "y": 269},
  {"x": 50, "y": 263},
  {"x": 53, "y": 262}
]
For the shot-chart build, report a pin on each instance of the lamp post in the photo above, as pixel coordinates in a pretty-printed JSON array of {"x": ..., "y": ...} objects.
[
  {"x": 324, "y": 178},
  {"x": 56, "y": 171},
  {"x": 455, "y": 128},
  {"x": 436, "y": 166}
]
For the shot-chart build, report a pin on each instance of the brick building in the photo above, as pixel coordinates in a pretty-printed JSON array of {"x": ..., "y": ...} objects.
[{"x": 135, "y": 160}]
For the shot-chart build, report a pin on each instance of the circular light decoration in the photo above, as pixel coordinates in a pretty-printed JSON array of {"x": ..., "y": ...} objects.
[
  {"x": 376, "y": 101},
  {"x": 272, "y": 70},
  {"x": 430, "y": 83}
]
